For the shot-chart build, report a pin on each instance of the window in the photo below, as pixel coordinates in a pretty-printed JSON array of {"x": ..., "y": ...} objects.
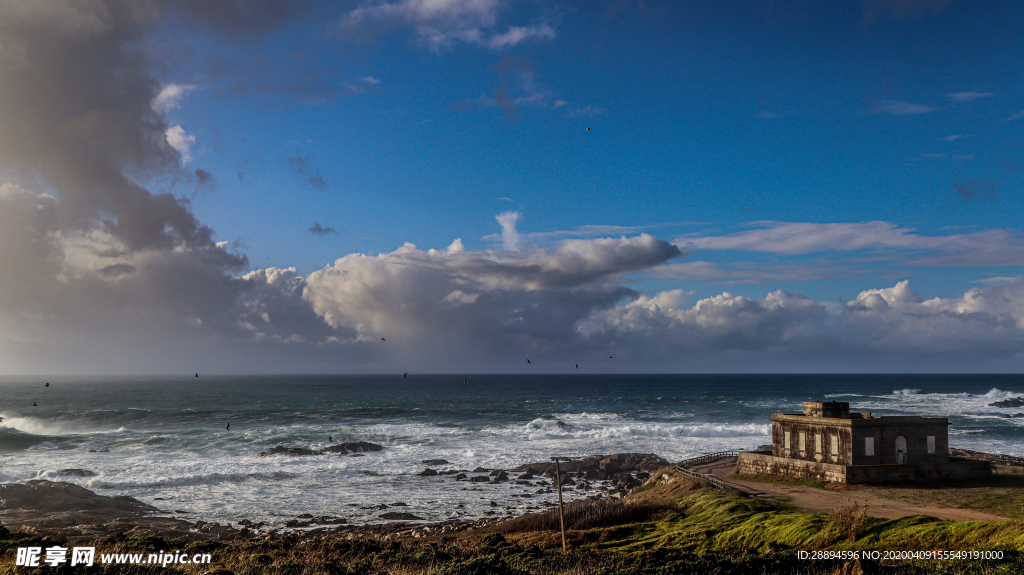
[
  {"x": 869, "y": 446},
  {"x": 803, "y": 442},
  {"x": 931, "y": 444},
  {"x": 817, "y": 443},
  {"x": 835, "y": 446},
  {"x": 785, "y": 441}
]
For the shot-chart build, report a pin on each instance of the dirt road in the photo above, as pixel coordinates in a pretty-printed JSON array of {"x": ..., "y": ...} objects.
[{"x": 819, "y": 500}]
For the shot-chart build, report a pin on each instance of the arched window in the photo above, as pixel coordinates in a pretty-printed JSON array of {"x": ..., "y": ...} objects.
[{"x": 901, "y": 449}]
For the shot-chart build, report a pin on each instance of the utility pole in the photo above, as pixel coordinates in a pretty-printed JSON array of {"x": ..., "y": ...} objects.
[{"x": 561, "y": 514}]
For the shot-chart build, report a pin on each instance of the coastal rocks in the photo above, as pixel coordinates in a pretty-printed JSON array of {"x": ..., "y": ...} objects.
[
  {"x": 76, "y": 473},
  {"x": 1011, "y": 402},
  {"x": 604, "y": 467},
  {"x": 480, "y": 470},
  {"x": 341, "y": 449},
  {"x": 353, "y": 447},
  {"x": 428, "y": 472},
  {"x": 460, "y": 477},
  {"x": 399, "y": 516},
  {"x": 480, "y": 479},
  {"x": 434, "y": 462}
]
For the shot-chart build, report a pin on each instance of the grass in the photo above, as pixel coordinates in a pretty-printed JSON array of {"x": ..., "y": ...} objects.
[
  {"x": 778, "y": 479},
  {"x": 673, "y": 525},
  {"x": 999, "y": 495}
]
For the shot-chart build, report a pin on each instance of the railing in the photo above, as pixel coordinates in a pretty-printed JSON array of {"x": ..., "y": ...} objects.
[
  {"x": 707, "y": 458},
  {"x": 684, "y": 465}
]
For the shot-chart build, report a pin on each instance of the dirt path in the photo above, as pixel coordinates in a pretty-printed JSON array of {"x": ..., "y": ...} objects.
[{"x": 818, "y": 500}]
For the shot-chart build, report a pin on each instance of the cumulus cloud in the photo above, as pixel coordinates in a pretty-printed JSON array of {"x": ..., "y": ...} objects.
[
  {"x": 181, "y": 141},
  {"x": 440, "y": 24},
  {"x": 317, "y": 230}
]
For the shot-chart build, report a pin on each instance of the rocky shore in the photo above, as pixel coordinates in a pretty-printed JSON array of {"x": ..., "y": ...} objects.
[{"x": 74, "y": 513}]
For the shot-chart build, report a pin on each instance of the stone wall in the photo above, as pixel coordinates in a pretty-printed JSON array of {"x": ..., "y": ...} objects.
[{"x": 764, "y": 464}]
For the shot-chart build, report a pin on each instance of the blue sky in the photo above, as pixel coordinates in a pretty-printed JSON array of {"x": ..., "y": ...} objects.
[{"x": 830, "y": 150}]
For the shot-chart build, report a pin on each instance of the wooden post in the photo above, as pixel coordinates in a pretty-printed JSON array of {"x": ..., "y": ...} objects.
[{"x": 561, "y": 515}]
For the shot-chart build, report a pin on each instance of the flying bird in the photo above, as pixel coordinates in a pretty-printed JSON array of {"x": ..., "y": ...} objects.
[
  {"x": 405, "y": 375},
  {"x": 1, "y": 420},
  {"x": 382, "y": 339},
  {"x": 464, "y": 381},
  {"x": 588, "y": 129},
  {"x": 577, "y": 366},
  {"x": 34, "y": 404},
  {"x": 609, "y": 357},
  {"x": 528, "y": 361},
  {"x": 330, "y": 439},
  {"x": 197, "y": 375},
  {"x": 228, "y": 427},
  {"x": 47, "y": 384}
]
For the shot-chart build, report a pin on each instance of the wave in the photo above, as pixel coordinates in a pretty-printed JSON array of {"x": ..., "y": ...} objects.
[
  {"x": 50, "y": 428},
  {"x": 907, "y": 391},
  {"x": 15, "y": 440}
]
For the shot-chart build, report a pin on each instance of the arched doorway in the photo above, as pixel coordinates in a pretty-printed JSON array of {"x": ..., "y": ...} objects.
[{"x": 901, "y": 449}]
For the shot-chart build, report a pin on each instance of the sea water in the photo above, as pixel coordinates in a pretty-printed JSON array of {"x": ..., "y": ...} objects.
[{"x": 163, "y": 440}]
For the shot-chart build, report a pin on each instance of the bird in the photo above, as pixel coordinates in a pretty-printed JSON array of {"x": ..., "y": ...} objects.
[
  {"x": 577, "y": 366},
  {"x": 197, "y": 375},
  {"x": 330, "y": 439},
  {"x": 464, "y": 381},
  {"x": 405, "y": 375},
  {"x": 47, "y": 384},
  {"x": 228, "y": 427},
  {"x": 34, "y": 404},
  {"x": 528, "y": 361},
  {"x": 609, "y": 357},
  {"x": 382, "y": 339},
  {"x": 588, "y": 129},
  {"x": 1, "y": 420}
]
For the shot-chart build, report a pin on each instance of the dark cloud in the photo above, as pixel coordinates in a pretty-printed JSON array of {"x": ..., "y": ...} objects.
[
  {"x": 241, "y": 18},
  {"x": 305, "y": 172},
  {"x": 204, "y": 178},
  {"x": 318, "y": 230},
  {"x": 115, "y": 270},
  {"x": 977, "y": 189}
]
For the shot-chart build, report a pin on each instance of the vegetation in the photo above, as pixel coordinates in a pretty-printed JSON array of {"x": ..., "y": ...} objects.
[{"x": 672, "y": 526}]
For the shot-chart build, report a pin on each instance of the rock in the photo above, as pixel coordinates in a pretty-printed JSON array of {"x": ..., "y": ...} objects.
[
  {"x": 280, "y": 450},
  {"x": 326, "y": 520},
  {"x": 562, "y": 425},
  {"x": 398, "y": 516},
  {"x": 480, "y": 479},
  {"x": 353, "y": 447},
  {"x": 531, "y": 471},
  {"x": 526, "y": 476},
  {"x": 460, "y": 477},
  {"x": 590, "y": 475},
  {"x": 501, "y": 476},
  {"x": 1017, "y": 415},
  {"x": 434, "y": 462},
  {"x": 566, "y": 480},
  {"x": 400, "y": 504},
  {"x": 358, "y": 455},
  {"x": 75, "y": 473},
  {"x": 1011, "y": 402},
  {"x": 305, "y": 516},
  {"x": 495, "y": 472},
  {"x": 480, "y": 470},
  {"x": 428, "y": 472}
]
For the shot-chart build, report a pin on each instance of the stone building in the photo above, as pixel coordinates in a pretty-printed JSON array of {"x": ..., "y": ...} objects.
[{"x": 828, "y": 442}]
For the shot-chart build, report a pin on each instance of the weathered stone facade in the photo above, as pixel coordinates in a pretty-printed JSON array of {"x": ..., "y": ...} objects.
[{"x": 827, "y": 442}]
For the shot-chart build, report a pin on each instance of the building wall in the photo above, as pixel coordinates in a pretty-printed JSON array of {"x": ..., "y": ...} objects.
[
  {"x": 811, "y": 429},
  {"x": 885, "y": 437},
  {"x": 763, "y": 464}
]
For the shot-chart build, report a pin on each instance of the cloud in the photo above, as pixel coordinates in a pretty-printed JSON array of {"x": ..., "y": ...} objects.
[
  {"x": 305, "y": 172},
  {"x": 317, "y": 230},
  {"x": 204, "y": 178},
  {"x": 977, "y": 189},
  {"x": 955, "y": 137},
  {"x": 899, "y": 108},
  {"x": 370, "y": 80},
  {"x": 1016, "y": 116},
  {"x": 440, "y": 24},
  {"x": 962, "y": 97},
  {"x": 509, "y": 235},
  {"x": 170, "y": 96},
  {"x": 181, "y": 141},
  {"x": 585, "y": 111}
]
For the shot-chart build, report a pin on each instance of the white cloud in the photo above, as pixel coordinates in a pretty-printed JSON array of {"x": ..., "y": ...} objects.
[
  {"x": 899, "y": 108},
  {"x": 439, "y": 24},
  {"x": 181, "y": 141},
  {"x": 370, "y": 80},
  {"x": 961, "y": 97},
  {"x": 518, "y": 34},
  {"x": 170, "y": 96},
  {"x": 1016, "y": 116},
  {"x": 990, "y": 247},
  {"x": 509, "y": 235}
]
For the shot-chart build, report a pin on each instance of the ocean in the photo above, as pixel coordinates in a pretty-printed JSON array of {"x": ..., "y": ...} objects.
[{"x": 163, "y": 440}]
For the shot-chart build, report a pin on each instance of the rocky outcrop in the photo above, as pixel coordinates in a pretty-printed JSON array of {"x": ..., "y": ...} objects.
[
  {"x": 399, "y": 516},
  {"x": 341, "y": 449},
  {"x": 603, "y": 467},
  {"x": 1011, "y": 402},
  {"x": 76, "y": 473}
]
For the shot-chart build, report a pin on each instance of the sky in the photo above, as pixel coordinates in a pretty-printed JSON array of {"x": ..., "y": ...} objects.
[{"x": 454, "y": 186}]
